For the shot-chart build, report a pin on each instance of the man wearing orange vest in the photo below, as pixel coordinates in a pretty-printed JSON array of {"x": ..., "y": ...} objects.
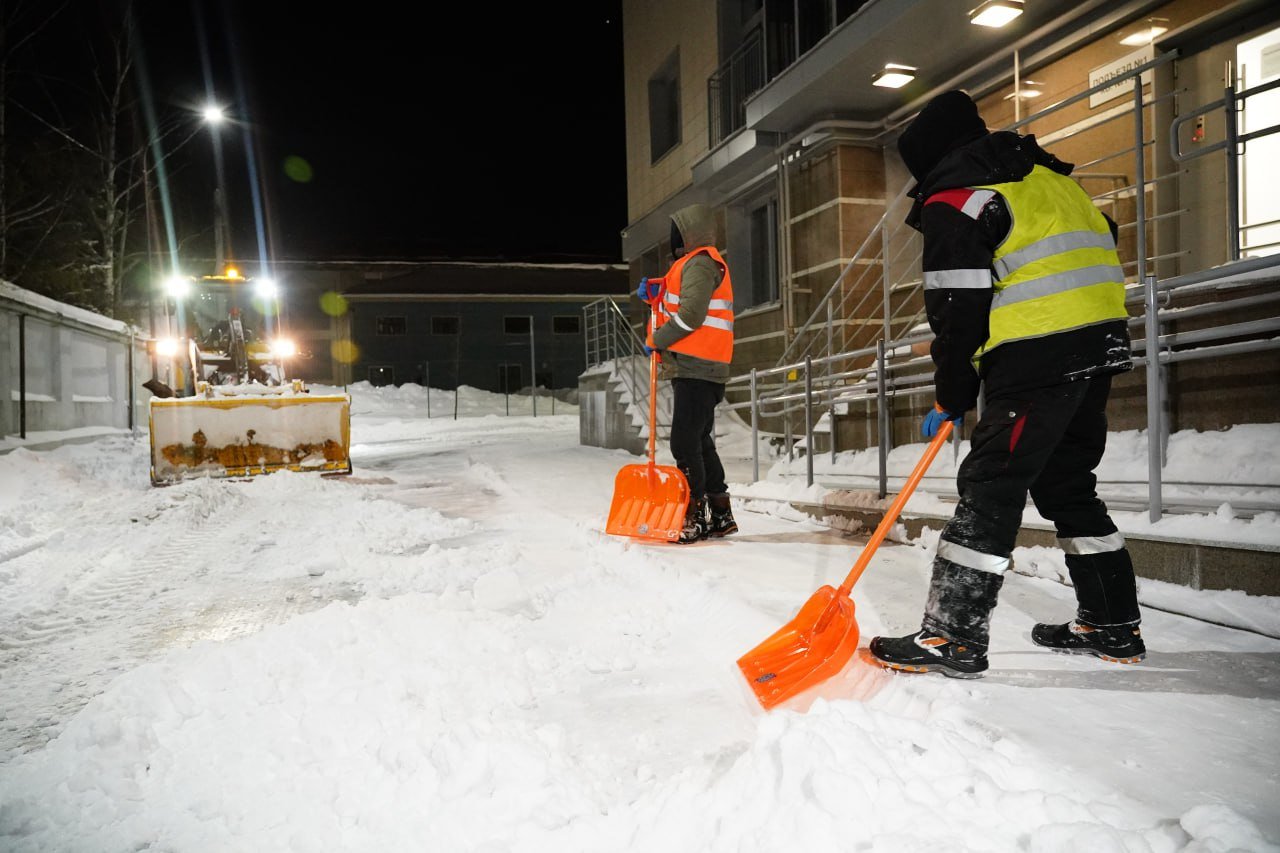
[{"x": 692, "y": 327}]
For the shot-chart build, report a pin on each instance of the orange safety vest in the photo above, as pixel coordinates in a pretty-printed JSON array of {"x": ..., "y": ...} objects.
[{"x": 713, "y": 340}]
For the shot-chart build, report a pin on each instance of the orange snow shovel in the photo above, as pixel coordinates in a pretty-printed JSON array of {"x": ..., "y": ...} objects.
[
  {"x": 819, "y": 641},
  {"x": 649, "y": 501}
]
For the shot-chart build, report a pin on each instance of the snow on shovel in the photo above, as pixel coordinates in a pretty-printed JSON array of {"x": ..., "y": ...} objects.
[
  {"x": 649, "y": 501},
  {"x": 819, "y": 641}
]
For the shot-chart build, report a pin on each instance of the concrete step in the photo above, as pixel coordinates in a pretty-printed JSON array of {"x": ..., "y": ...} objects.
[{"x": 1198, "y": 564}]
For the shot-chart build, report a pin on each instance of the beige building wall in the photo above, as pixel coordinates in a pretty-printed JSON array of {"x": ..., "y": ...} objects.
[{"x": 651, "y": 31}]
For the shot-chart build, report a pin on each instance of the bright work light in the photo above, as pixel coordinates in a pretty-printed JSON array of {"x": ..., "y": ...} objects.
[
  {"x": 894, "y": 76},
  {"x": 265, "y": 288},
  {"x": 996, "y": 13},
  {"x": 177, "y": 286}
]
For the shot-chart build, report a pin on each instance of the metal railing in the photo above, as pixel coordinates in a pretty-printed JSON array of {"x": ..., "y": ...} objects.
[
  {"x": 738, "y": 78},
  {"x": 820, "y": 369},
  {"x": 610, "y": 338}
]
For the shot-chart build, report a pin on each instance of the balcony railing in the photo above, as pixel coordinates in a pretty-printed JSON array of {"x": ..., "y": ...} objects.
[{"x": 740, "y": 77}]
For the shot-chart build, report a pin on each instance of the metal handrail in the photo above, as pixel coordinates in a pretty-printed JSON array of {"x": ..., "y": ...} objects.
[{"x": 882, "y": 379}]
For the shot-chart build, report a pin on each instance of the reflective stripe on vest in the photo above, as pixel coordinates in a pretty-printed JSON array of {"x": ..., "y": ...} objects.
[
  {"x": 713, "y": 340},
  {"x": 1058, "y": 269}
]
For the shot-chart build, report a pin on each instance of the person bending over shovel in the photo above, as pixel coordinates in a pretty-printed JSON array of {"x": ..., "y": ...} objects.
[
  {"x": 1025, "y": 294},
  {"x": 693, "y": 329}
]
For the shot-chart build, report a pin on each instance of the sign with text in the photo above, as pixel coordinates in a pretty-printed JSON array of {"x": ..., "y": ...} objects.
[{"x": 1116, "y": 68}]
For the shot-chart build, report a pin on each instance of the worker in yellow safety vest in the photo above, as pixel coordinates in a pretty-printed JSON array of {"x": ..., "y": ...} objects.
[
  {"x": 691, "y": 326},
  {"x": 1024, "y": 292}
]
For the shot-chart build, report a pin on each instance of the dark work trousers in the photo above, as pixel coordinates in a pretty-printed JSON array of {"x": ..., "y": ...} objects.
[
  {"x": 1046, "y": 442},
  {"x": 693, "y": 442}
]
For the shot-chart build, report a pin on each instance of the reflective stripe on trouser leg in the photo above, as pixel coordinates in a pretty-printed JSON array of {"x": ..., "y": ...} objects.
[
  {"x": 960, "y": 603},
  {"x": 969, "y": 558}
]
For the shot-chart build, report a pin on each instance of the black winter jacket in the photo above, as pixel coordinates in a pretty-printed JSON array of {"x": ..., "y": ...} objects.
[{"x": 954, "y": 240}]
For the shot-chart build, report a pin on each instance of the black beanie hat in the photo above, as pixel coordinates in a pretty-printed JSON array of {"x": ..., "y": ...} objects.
[{"x": 946, "y": 123}]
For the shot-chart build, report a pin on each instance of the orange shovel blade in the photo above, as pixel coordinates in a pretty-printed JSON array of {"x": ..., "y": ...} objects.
[
  {"x": 648, "y": 506},
  {"x": 808, "y": 650}
]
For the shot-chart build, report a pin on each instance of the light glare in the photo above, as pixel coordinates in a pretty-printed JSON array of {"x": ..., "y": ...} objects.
[
  {"x": 265, "y": 288},
  {"x": 996, "y": 13},
  {"x": 167, "y": 347},
  {"x": 283, "y": 348},
  {"x": 894, "y": 76},
  {"x": 1142, "y": 37},
  {"x": 177, "y": 286},
  {"x": 213, "y": 114}
]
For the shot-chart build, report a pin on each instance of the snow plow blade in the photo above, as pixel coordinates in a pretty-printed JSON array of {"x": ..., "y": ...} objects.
[{"x": 243, "y": 432}]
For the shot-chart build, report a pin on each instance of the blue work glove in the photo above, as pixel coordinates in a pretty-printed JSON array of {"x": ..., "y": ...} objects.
[
  {"x": 934, "y": 419},
  {"x": 648, "y": 350},
  {"x": 648, "y": 290}
]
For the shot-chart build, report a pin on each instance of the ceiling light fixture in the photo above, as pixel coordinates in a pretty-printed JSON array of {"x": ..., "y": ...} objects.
[
  {"x": 1144, "y": 36},
  {"x": 1027, "y": 90},
  {"x": 894, "y": 76},
  {"x": 996, "y": 13}
]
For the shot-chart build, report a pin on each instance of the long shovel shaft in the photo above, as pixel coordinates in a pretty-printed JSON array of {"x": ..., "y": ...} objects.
[
  {"x": 891, "y": 517},
  {"x": 653, "y": 406}
]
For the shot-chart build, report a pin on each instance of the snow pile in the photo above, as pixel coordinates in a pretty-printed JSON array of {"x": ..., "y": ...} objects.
[{"x": 445, "y": 652}]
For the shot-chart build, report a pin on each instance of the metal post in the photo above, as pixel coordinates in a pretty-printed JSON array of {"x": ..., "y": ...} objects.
[
  {"x": 129, "y": 381},
  {"x": 1155, "y": 427},
  {"x": 755, "y": 430},
  {"x": 427, "y": 370},
  {"x": 831, "y": 396},
  {"x": 1140, "y": 170},
  {"x": 22, "y": 376},
  {"x": 533, "y": 369},
  {"x": 1233, "y": 175},
  {"x": 882, "y": 398},
  {"x": 808, "y": 419}
]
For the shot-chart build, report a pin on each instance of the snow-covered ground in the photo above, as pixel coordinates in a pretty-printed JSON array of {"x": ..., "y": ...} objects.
[{"x": 444, "y": 652}]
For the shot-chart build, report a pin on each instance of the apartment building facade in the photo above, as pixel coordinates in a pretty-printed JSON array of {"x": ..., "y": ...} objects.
[{"x": 771, "y": 113}]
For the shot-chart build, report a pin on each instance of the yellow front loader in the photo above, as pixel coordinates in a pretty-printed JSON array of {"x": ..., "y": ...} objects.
[{"x": 230, "y": 411}]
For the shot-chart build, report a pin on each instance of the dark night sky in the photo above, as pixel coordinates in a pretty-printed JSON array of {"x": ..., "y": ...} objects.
[{"x": 432, "y": 129}]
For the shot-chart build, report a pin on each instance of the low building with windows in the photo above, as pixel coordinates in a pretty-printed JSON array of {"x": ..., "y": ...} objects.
[{"x": 499, "y": 326}]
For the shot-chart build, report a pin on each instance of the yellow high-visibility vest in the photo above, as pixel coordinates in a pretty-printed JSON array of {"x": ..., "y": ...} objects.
[{"x": 1058, "y": 269}]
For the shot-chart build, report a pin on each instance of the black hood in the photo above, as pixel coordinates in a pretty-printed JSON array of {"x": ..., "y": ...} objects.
[
  {"x": 995, "y": 158},
  {"x": 945, "y": 124}
]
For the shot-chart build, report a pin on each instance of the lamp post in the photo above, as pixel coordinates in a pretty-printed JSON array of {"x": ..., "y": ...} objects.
[{"x": 214, "y": 116}]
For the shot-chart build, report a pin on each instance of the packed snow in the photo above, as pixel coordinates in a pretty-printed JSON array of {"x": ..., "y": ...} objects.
[{"x": 444, "y": 651}]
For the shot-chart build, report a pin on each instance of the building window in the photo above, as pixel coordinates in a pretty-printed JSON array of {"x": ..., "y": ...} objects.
[
  {"x": 382, "y": 375},
  {"x": 566, "y": 324},
  {"x": 517, "y": 325},
  {"x": 763, "y": 227},
  {"x": 444, "y": 325},
  {"x": 664, "y": 108},
  {"x": 509, "y": 378},
  {"x": 391, "y": 325}
]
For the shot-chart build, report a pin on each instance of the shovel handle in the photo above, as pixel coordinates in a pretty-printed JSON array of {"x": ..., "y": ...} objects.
[
  {"x": 891, "y": 517},
  {"x": 653, "y": 413}
]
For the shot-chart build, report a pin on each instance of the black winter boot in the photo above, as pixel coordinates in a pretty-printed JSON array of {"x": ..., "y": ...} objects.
[
  {"x": 695, "y": 523},
  {"x": 722, "y": 523},
  {"x": 1117, "y": 644},
  {"x": 926, "y": 652}
]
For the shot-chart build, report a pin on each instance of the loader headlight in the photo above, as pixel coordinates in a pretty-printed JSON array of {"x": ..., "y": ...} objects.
[
  {"x": 265, "y": 288},
  {"x": 177, "y": 286},
  {"x": 283, "y": 348},
  {"x": 167, "y": 347}
]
